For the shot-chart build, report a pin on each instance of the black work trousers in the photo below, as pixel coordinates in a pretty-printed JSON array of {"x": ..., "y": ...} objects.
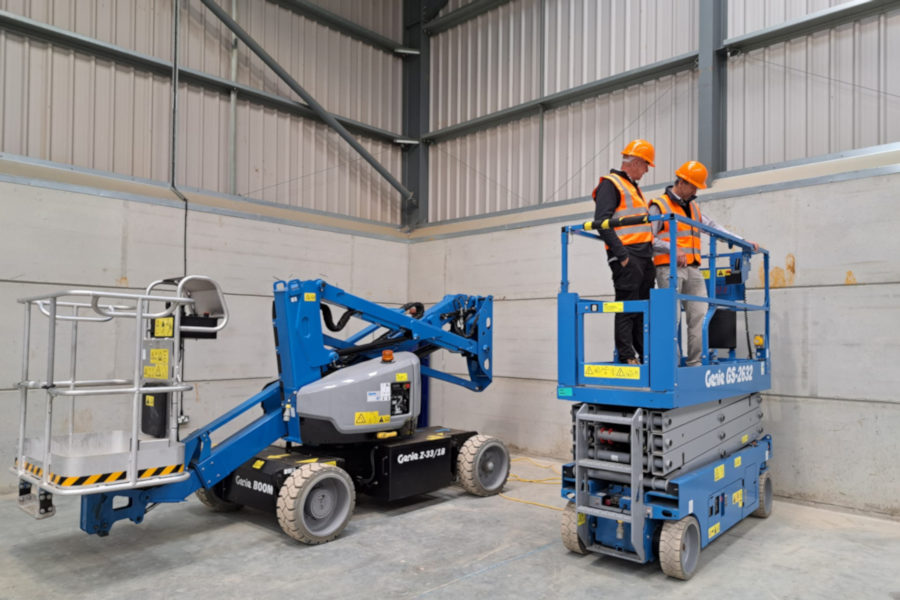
[{"x": 631, "y": 282}]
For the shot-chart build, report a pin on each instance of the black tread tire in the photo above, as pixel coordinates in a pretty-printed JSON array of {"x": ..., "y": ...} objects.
[
  {"x": 295, "y": 496},
  {"x": 478, "y": 462},
  {"x": 569, "y": 530},
  {"x": 765, "y": 497},
  {"x": 209, "y": 498},
  {"x": 679, "y": 548}
]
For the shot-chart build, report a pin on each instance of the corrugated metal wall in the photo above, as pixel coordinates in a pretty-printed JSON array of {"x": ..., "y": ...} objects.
[
  {"x": 494, "y": 62},
  {"x": 828, "y": 92},
  {"x": 382, "y": 16},
  {"x": 746, "y": 16},
  {"x": 70, "y": 107}
]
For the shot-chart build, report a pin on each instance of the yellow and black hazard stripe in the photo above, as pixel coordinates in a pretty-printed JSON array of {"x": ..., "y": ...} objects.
[
  {"x": 63, "y": 481},
  {"x": 34, "y": 469}
]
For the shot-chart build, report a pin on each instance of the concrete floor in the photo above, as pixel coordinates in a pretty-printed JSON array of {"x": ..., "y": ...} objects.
[{"x": 443, "y": 545}]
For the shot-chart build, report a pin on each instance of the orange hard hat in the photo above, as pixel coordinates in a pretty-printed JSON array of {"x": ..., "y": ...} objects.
[
  {"x": 641, "y": 149},
  {"x": 694, "y": 173}
]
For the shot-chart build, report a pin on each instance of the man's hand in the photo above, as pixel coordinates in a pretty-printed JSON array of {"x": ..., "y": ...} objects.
[
  {"x": 681, "y": 258},
  {"x": 755, "y": 245}
]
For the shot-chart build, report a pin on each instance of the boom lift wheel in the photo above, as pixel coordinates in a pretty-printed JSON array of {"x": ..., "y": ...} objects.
[
  {"x": 211, "y": 499},
  {"x": 679, "y": 547},
  {"x": 569, "y": 530},
  {"x": 765, "y": 497},
  {"x": 315, "y": 503},
  {"x": 483, "y": 465}
]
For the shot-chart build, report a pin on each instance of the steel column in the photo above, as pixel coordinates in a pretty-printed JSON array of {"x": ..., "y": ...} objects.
[{"x": 711, "y": 94}]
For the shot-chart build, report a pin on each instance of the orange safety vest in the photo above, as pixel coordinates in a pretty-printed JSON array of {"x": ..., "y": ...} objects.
[
  {"x": 688, "y": 237},
  {"x": 631, "y": 203}
]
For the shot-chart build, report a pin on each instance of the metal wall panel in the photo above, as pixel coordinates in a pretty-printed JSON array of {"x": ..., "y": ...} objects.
[
  {"x": 587, "y": 40},
  {"x": 486, "y": 64},
  {"x": 453, "y": 5},
  {"x": 583, "y": 141},
  {"x": 282, "y": 158},
  {"x": 381, "y": 16},
  {"x": 488, "y": 171},
  {"x": 747, "y": 16},
  {"x": 69, "y": 107},
  {"x": 828, "y": 92},
  {"x": 348, "y": 77},
  {"x": 144, "y": 26}
]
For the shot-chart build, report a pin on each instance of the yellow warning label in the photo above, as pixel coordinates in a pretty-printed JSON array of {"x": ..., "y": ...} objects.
[
  {"x": 159, "y": 364},
  {"x": 613, "y": 307},
  {"x": 745, "y": 438},
  {"x": 156, "y": 372},
  {"x": 277, "y": 455},
  {"x": 435, "y": 436},
  {"x": 309, "y": 297},
  {"x": 370, "y": 418},
  {"x": 713, "y": 531},
  {"x": 581, "y": 519},
  {"x": 159, "y": 356},
  {"x": 719, "y": 472},
  {"x": 737, "y": 498},
  {"x": 164, "y": 327},
  {"x": 737, "y": 461},
  {"x": 258, "y": 464},
  {"x": 148, "y": 400},
  {"x": 612, "y": 371},
  {"x": 719, "y": 273},
  {"x": 402, "y": 377}
]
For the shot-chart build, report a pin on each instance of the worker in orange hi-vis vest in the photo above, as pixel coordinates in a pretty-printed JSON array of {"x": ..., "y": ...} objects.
[
  {"x": 680, "y": 199},
  {"x": 629, "y": 248}
]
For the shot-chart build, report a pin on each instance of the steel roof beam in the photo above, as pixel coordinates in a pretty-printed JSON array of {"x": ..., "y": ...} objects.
[{"x": 461, "y": 15}]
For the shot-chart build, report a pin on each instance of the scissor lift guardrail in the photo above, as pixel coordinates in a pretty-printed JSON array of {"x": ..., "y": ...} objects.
[{"x": 76, "y": 463}]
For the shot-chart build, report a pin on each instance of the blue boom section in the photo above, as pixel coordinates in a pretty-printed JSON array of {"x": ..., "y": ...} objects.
[
  {"x": 663, "y": 381},
  {"x": 458, "y": 323}
]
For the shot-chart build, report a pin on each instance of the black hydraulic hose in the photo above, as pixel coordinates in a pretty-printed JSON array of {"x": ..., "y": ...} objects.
[
  {"x": 342, "y": 322},
  {"x": 342, "y": 352}
]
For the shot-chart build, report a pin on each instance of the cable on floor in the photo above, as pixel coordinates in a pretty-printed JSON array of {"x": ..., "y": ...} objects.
[{"x": 545, "y": 480}]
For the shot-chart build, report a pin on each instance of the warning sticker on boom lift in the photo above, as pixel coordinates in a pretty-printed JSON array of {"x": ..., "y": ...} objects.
[
  {"x": 370, "y": 418},
  {"x": 612, "y": 371}
]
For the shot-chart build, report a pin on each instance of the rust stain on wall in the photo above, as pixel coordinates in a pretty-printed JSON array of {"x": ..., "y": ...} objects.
[
  {"x": 123, "y": 282},
  {"x": 780, "y": 277},
  {"x": 777, "y": 278},
  {"x": 790, "y": 268},
  {"x": 850, "y": 279}
]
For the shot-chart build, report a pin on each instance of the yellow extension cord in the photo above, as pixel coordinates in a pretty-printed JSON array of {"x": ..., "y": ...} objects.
[{"x": 548, "y": 480}]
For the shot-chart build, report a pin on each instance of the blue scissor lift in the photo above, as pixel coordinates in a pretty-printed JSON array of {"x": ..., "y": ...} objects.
[{"x": 667, "y": 457}]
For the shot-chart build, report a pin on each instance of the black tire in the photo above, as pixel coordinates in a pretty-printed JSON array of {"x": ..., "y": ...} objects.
[
  {"x": 316, "y": 503},
  {"x": 569, "y": 530},
  {"x": 765, "y": 497},
  {"x": 679, "y": 547},
  {"x": 212, "y": 500},
  {"x": 483, "y": 465}
]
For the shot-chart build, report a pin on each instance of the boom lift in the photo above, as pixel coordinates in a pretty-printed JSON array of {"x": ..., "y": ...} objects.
[
  {"x": 346, "y": 409},
  {"x": 667, "y": 457}
]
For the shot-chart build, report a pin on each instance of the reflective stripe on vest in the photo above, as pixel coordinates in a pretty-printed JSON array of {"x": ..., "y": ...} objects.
[
  {"x": 688, "y": 237},
  {"x": 631, "y": 203}
]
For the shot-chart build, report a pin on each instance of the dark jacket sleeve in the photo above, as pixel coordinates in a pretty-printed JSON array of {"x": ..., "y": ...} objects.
[{"x": 607, "y": 201}]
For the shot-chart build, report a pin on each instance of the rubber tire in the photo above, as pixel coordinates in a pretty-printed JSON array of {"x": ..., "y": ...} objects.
[
  {"x": 211, "y": 499},
  {"x": 476, "y": 465},
  {"x": 569, "y": 530},
  {"x": 765, "y": 497},
  {"x": 299, "y": 491},
  {"x": 679, "y": 548}
]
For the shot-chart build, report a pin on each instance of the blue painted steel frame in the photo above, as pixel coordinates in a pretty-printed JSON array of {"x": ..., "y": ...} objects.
[
  {"x": 305, "y": 353},
  {"x": 661, "y": 382}
]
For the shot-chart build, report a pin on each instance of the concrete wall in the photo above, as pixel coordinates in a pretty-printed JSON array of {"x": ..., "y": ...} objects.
[
  {"x": 54, "y": 239},
  {"x": 833, "y": 408}
]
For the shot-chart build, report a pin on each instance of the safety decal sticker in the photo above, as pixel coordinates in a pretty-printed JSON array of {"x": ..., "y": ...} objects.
[
  {"x": 371, "y": 417},
  {"x": 713, "y": 531},
  {"x": 164, "y": 327},
  {"x": 259, "y": 464},
  {"x": 613, "y": 307},
  {"x": 309, "y": 297},
  {"x": 149, "y": 400},
  {"x": 744, "y": 438},
  {"x": 581, "y": 519},
  {"x": 159, "y": 364},
  {"x": 271, "y": 456},
  {"x": 719, "y": 273},
  {"x": 564, "y": 392},
  {"x": 402, "y": 377},
  {"x": 612, "y": 371},
  {"x": 719, "y": 472},
  {"x": 737, "y": 498},
  {"x": 737, "y": 461}
]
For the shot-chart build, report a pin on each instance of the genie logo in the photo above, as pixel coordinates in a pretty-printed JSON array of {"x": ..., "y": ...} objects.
[{"x": 736, "y": 374}]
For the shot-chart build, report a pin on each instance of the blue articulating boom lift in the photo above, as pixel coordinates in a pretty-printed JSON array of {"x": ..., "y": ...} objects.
[
  {"x": 345, "y": 409},
  {"x": 666, "y": 457}
]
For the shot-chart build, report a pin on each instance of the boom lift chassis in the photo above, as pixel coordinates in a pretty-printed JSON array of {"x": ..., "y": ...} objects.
[
  {"x": 667, "y": 457},
  {"x": 346, "y": 409}
]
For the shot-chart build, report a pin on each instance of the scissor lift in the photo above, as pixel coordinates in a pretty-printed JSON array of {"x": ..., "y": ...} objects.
[{"x": 667, "y": 457}]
